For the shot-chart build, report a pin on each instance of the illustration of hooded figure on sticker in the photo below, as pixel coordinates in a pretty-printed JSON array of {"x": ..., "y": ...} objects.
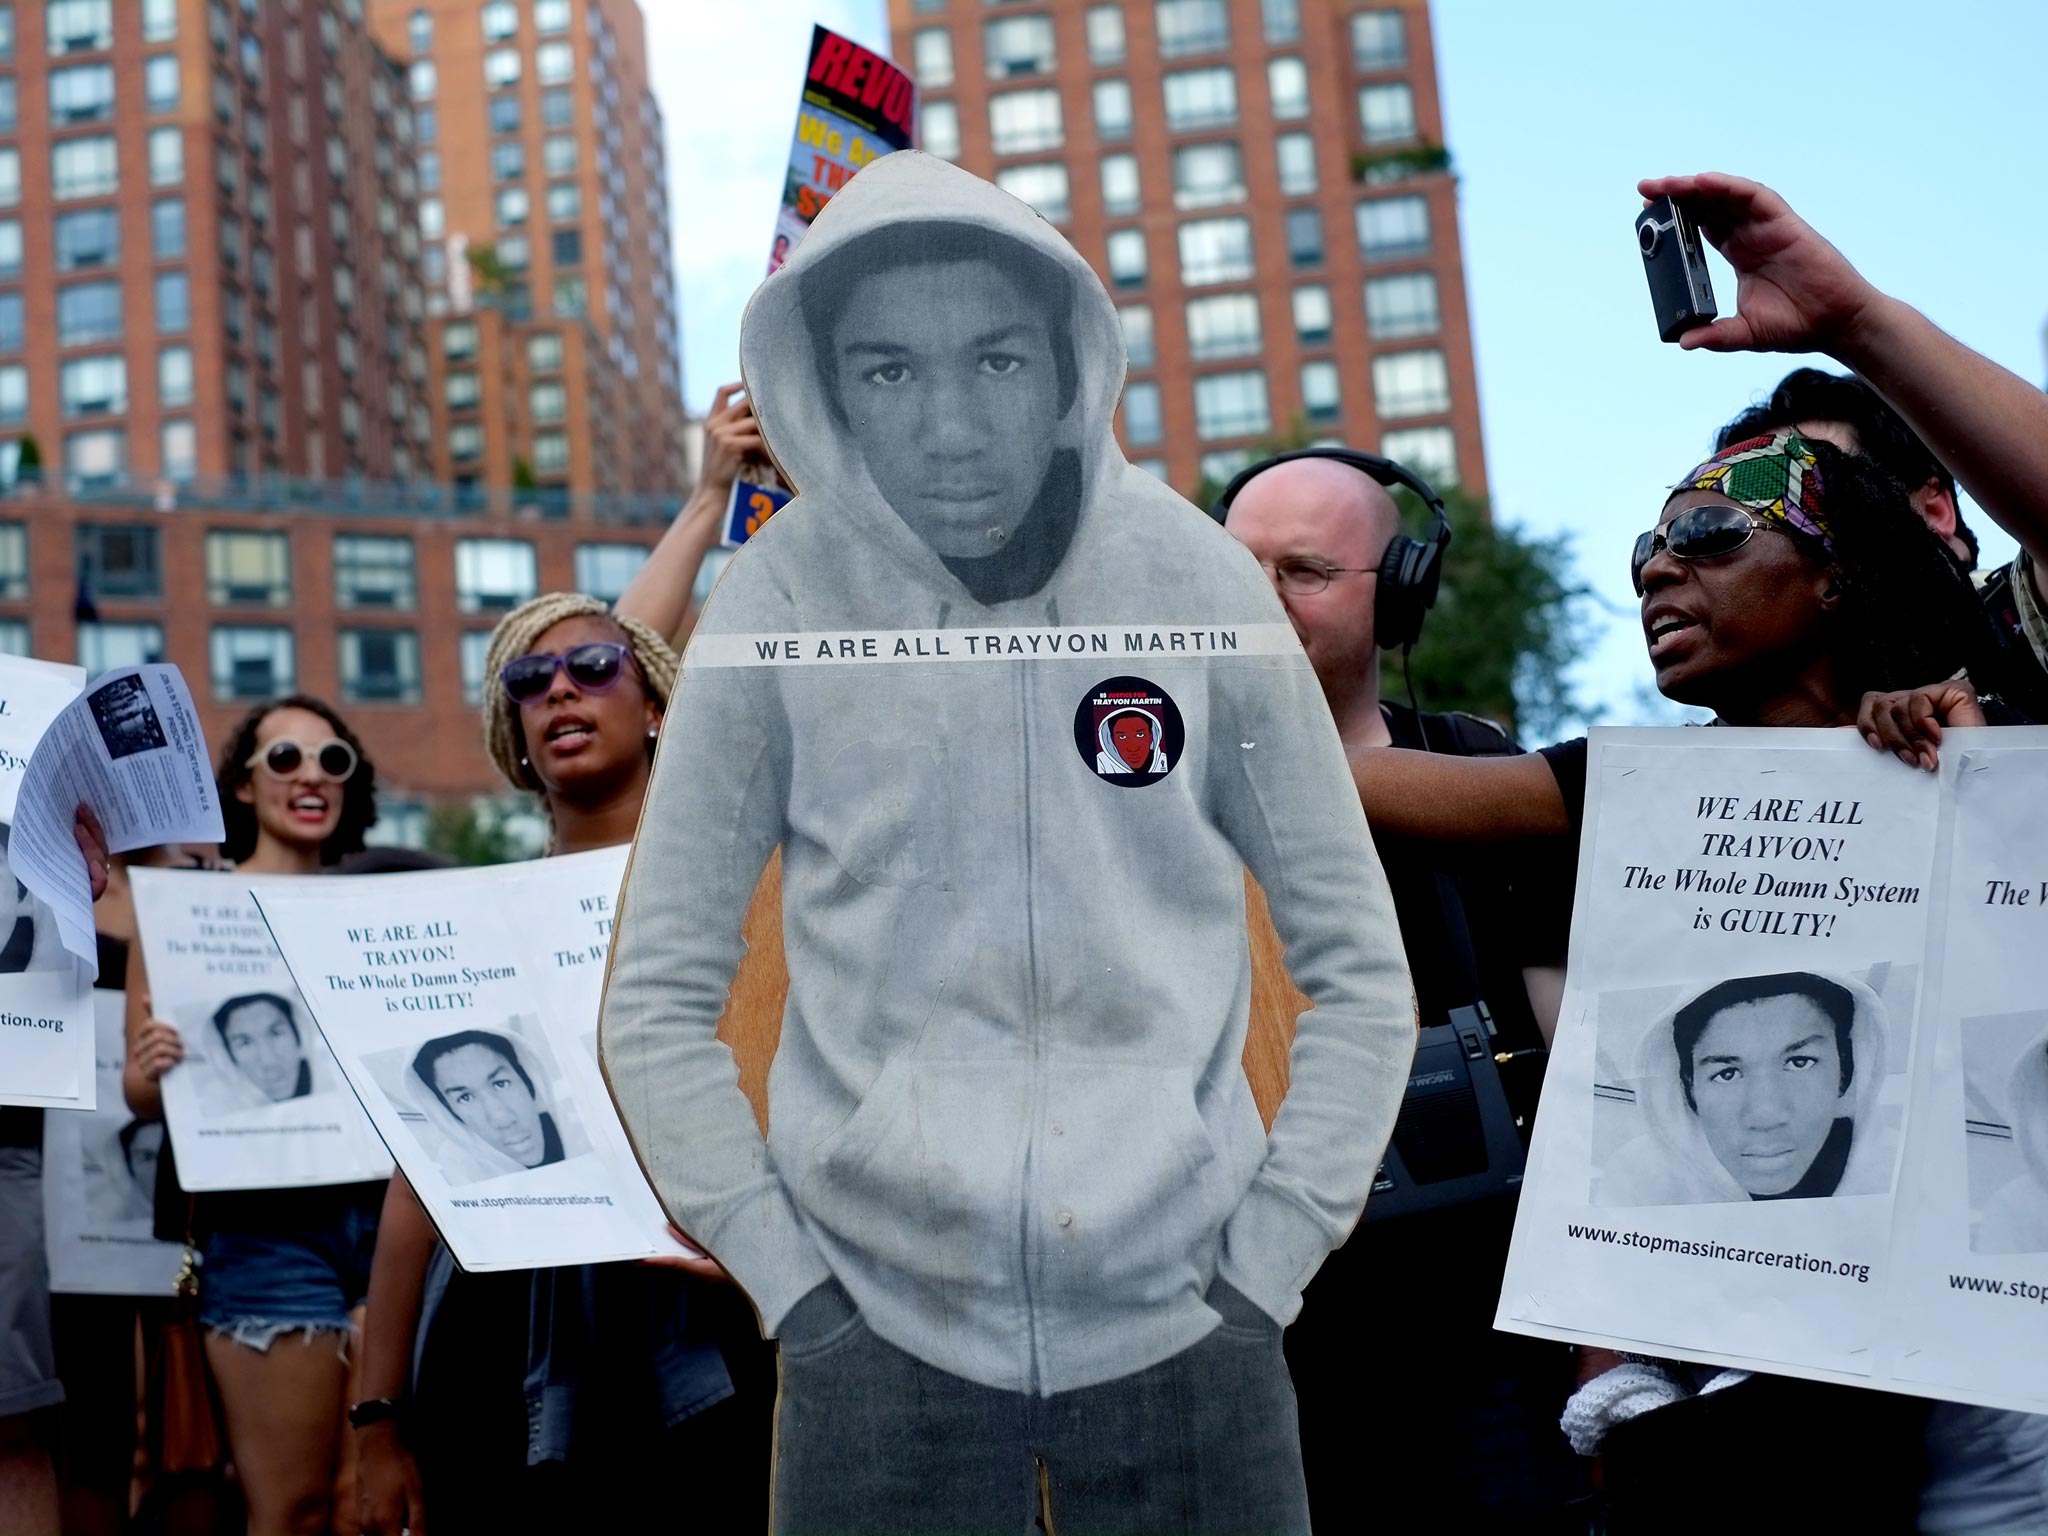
[
  {"x": 1008, "y": 1131},
  {"x": 2016, "y": 1217},
  {"x": 1759, "y": 1088}
]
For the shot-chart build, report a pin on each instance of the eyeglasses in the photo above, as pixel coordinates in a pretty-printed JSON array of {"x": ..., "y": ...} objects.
[
  {"x": 1305, "y": 578},
  {"x": 594, "y": 668},
  {"x": 334, "y": 758},
  {"x": 1698, "y": 533}
]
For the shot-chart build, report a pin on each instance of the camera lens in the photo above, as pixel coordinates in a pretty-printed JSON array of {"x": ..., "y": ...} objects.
[{"x": 1647, "y": 236}]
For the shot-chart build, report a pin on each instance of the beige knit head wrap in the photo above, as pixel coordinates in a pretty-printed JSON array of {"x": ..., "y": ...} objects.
[{"x": 515, "y": 636}]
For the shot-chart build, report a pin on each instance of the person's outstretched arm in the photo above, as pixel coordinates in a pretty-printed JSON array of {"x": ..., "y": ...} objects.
[
  {"x": 659, "y": 593},
  {"x": 1797, "y": 293},
  {"x": 387, "y": 1480},
  {"x": 1437, "y": 798}
]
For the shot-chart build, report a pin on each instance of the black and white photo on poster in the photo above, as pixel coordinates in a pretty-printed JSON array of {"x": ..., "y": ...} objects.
[
  {"x": 46, "y": 1050},
  {"x": 128, "y": 722},
  {"x": 258, "y": 1101},
  {"x": 460, "y": 1005},
  {"x": 99, "y": 1184},
  {"x": 1785, "y": 1086},
  {"x": 2005, "y": 1085}
]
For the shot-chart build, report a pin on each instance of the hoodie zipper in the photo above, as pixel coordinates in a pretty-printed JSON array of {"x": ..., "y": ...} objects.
[{"x": 1033, "y": 1025}]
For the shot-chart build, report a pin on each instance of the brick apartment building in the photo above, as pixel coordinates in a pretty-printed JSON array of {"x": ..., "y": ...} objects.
[
  {"x": 1262, "y": 185},
  {"x": 216, "y": 330}
]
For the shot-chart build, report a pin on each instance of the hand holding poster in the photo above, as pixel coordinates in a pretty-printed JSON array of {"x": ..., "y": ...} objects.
[
  {"x": 1751, "y": 1150},
  {"x": 45, "y": 990},
  {"x": 258, "y": 1102},
  {"x": 462, "y": 1005},
  {"x": 99, "y": 1185}
]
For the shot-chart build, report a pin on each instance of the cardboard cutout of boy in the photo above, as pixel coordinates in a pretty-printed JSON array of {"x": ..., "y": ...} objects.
[{"x": 1017, "y": 1223}]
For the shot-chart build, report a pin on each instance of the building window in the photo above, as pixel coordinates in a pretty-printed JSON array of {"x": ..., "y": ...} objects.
[
  {"x": 160, "y": 83},
  {"x": 84, "y": 167},
  {"x": 1379, "y": 40},
  {"x": 544, "y": 352},
  {"x": 14, "y": 638},
  {"x": 166, "y": 156},
  {"x": 500, "y": 19},
  {"x": 1287, "y": 84},
  {"x": 6, "y": 31},
  {"x": 90, "y": 237},
  {"x": 13, "y": 561},
  {"x": 1281, "y": 20},
  {"x": 938, "y": 129},
  {"x": 1215, "y": 251},
  {"x": 1392, "y": 228},
  {"x": 572, "y": 296},
  {"x": 558, "y": 155},
  {"x": 10, "y": 177},
  {"x": 10, "y": 104},
  {"x": 476, "y": 647},
  {"x": 1142, "y": 426},
  {"x": 159, "y": 20},
  {"x": 501, "y": 68},
  {"x": 1200, "y": 98},
  {"x": 373, "y": 571},
  {"x": 246, "y": 568},
  {"x": 83, "y": 93},
  {"x": 1432, "y": 452},
  {"x": 494, "y": 575},
  {"x": 167, "y": 229},
  {"x": 505, "y": 116},
  {"x": 1231, "y": 405},
  {"x": 1119, "y": 185},
  {"x": 252, "y": 661},
  {"x": 550, "y": 452},
  {"x": 88, "y": 314},
  {"x": 1305, "y": 236},
  {"x": 458, "y": 339},
  {"x": 1113, "y": 109},
  {"x": 79, "y": 26},
  {"x": 1192, "y": 26},
  {"x": 119, "y": 560},
  {"x": 513, "y": 204},
  {"x": 1207, "y": 174},
  {"x": 1138, "y": 340},
  {"x": 931, "y": 56},
  {"x": 462, "y": 390},
  {"x": 380, "y": 666},
  {"x": 554, "y": 63},
  {"x": 1321, "y": 396},
  {"x": 10, "y": 322},
  {"x": 1387, "y": 112},
  {"x": 419, "y": 31},
  {"x": 93, "y": 386},
  {"x": 1023, "y": 121},
  {"x": 508, "y": 160},
  {"x": 1225, "y": 325},
  {"x": 465, "y": 442},
  {"x": 548, "y": 402},
  {"x": 1018, "y": 45},
  {"x": 550, "y": 16},
  {"x": 10, "y": 248},
  {"x": 433, "y": 218},
  {"x": 1402, "y": 305},
  {"x": 557, "y": 108},
  {"x": 1296, "y": 154},
  {"x": 1105, "y": 35},
  {"x": 104, "y": 647},
  {"x": 603, "y": 570},
  {"x": 1410, "y": 384},
  {"x": 178, "y": 450},
  {"x": 1127, "y": 259},
  {"x": 565, "y": 203},
  {"x": 13, "y": 395},
  {"x": 1044, "y": 187}
]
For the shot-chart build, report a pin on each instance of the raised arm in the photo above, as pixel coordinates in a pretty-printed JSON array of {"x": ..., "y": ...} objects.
[
  {"x": 1437, "y": 798},
  {"x": 659, "y": 593},
  {"x": 1797, "y": 293}
]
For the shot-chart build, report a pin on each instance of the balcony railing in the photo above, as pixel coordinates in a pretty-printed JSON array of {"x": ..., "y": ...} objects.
[{"x": 358, "y": 498}]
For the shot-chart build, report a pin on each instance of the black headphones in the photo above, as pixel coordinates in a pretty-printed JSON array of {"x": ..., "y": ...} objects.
[{"x": 1411, "y": 569}]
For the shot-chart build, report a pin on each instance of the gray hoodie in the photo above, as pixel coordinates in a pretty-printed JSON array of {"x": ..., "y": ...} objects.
[{"x": 1007, "y": 1111}]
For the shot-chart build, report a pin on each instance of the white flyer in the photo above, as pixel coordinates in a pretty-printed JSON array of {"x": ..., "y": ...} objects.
[
  {"x": 99, "y": 1185},
  {"x": 258, "y": 1102},
  {"x": 132, "y": 748},
  {"x": 462, "y": 1005},
  {"x": 45, "y": 990}
]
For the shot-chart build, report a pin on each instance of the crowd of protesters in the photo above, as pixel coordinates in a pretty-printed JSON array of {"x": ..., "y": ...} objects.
[{"x": 339, "y": 1372}]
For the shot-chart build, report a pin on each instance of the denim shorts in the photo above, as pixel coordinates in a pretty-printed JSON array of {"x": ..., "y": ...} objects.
[
  {"x": 28, "y": 1366},
  {"x": 258, "y": 1280}
]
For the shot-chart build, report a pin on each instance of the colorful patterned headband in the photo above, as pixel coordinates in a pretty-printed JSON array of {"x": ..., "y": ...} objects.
[{"x": 1775, "y": 477}]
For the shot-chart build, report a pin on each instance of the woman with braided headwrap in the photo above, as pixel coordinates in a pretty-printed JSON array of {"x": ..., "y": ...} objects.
[{"x": 557, "y": 1384}]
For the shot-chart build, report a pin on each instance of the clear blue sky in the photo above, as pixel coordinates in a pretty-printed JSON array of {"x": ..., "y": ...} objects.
[{"x": 1910, "y": 135}]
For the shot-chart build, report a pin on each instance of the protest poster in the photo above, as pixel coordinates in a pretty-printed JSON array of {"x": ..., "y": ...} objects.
[
  {"x": 258, "y": 1102},
  {"x": 462, "y": 1005},
  {"x": 1751, "y": 1150},
  {"x": 856, "y": 107},
  {"x": 99, "y": 1184},
  {"x": 45, "y": 990},
  {"x": 131, "y": 747},
  {"x": 750, "y": 505}
]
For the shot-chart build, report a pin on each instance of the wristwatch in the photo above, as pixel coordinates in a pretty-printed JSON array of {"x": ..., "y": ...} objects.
[{"x": 375, "y": 1410}]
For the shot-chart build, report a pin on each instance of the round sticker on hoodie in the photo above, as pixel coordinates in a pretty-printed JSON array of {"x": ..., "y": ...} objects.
[{"x": 1129, "y": 732}]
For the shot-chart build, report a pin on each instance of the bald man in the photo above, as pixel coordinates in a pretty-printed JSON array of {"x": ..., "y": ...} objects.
[{"x": 1460, "y": 1428}]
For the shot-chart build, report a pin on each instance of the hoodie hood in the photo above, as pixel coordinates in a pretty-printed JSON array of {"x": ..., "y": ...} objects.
[
  {"x": 2028, "y": 1098},
  {"x": 784, "y": 337},
  {"x": 1673, "y": 1164},
  {"x": 462, "y": 1153}
]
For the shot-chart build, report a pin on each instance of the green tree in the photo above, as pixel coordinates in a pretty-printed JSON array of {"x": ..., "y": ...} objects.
[
  {"x": 28, "y": 468},
  {"x": 473, "y": 832},
  {"x": 522, "y": 475},
  {"x": 488, "y": 269}
]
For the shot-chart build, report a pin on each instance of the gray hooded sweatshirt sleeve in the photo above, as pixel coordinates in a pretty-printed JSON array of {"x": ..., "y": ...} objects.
[{"x": 1007, "y": 1111}]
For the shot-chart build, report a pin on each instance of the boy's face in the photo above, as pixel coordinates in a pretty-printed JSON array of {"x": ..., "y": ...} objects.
[
  {"x": 1767, "y": 1083},
  {"x": 947, "y": 377}
]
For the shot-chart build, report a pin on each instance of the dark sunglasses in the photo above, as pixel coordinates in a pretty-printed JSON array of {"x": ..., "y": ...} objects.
[
  {"x": 593, "y": 668},
  {"x": 335, "y": 758},
  {"x": 1698, "y": 533}
]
